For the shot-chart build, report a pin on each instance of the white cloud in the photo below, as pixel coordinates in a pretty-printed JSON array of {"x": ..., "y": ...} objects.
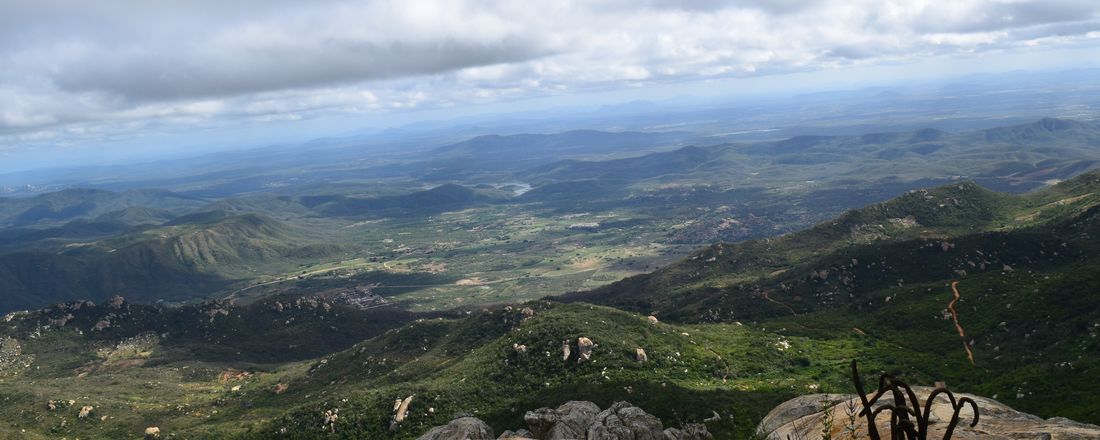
[{"x": 116, "y": 62}]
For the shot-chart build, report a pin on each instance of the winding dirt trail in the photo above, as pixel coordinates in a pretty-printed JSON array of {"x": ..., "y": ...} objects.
[
  {"x": 778, "y": 302},
  {"x": 955, "y": 317}
]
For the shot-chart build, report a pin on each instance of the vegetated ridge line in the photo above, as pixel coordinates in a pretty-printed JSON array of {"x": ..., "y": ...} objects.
[{"x": 955, "y": 317}]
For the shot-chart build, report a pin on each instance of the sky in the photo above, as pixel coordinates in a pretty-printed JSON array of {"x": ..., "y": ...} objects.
[{"x": 77, "y": 76}]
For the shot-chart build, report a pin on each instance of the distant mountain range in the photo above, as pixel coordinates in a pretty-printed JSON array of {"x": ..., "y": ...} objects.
[
  {"x": 1017, "y": 158},
  {"x": 83, "y": 203},
  {"x": 167, "y": 245}
]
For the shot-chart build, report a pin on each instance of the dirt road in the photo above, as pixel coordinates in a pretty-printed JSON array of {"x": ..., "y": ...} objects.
[{"x": 955, "y": 317}]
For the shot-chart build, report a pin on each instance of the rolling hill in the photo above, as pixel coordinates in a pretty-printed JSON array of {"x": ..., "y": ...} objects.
[
  {"x": 439, "y": 199},
  {"x": 925, "y": 234},
  {"x": 71, "y": 204},
  {"x": 681, "y": 161},
  {"x": 540, "y": 146},
  {"x": 495, "y": 155},
  {"x": 1016, "y": 159},
  {"x": 183, "y": 260}
]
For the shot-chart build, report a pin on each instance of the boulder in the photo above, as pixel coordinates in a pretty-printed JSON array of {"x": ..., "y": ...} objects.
[
  {"x": 152, "y": 432},
  {"x": 584, "y": 349},
  {"x": 639, "y": 355},
  {"x": 400, "y": 410},
  {"x": 565, "y": 352},
  {"x": 116, "y": 302},
  {"x": 462, "y": 428},
  {"x": 329, "y": 418},
  {"x": 623, "y": 421},
  {"x": 569, "y": 421},
  {"x": 575, "y": 420},
  {"x": 85, "y": 411},
  {"x": 521, "y": 434},
  {"x": 653, "y": 319},
  {"x": 60, "y": 322},
  {"x": 797, "y": 408},
  {"x": 690, "y": 431},
  {"x": 802, "y": 417}
]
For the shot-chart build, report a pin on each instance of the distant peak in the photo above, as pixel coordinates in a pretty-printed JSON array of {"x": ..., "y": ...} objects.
[
  {"x": 1056, "y": 124},
  {"x": 1041, "y": 128},
  {"x": 928, "y": 134}
]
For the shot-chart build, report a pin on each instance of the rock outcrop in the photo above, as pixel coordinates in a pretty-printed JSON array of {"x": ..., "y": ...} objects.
[
  {"x": 802, "y": 417},
  {"x": 691, "y": 431},
  {"x": 116, "y": 302},
  {"x": 797, "y": 409},
  {"x": 85, "y": 411},
  {"x": 329, "y": 419},
  {"x": 462, "y": 428},
  {"x": 625, "y": 421},
  {"x": 521, "y": 434},
  {"x": 584, "y": 349},
  {"x": 575, "y": 420},
  {"x": 400, "y": 410},
  {"x": 570, "y": 420}
]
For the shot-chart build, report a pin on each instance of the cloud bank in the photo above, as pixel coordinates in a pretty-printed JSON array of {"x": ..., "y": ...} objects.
[{"x": 76, "y": 70}]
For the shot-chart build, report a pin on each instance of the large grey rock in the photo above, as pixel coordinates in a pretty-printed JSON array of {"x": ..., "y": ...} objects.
[
  {"x": 690, "y": 431},
  {"x": 575, "y": 420},
  {"x": 802, "y": 417},
  {"x": 568, "y": 421},
  {"x": 463, "y": 428},
  {"x": 623, "y": 421},
  {"x": 521, "y": 434},
  {"x": 798, "y": 408}
]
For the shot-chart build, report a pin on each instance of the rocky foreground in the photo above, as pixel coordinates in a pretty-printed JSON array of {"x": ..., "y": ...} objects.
[
  {"x": 805, "y": 417},
  {"x": 574, "y": 420}
]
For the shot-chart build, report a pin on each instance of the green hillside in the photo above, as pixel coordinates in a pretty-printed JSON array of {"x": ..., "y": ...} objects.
[
  {"x": 938, "y": 233},
  {"x": 185, "y": 260},
  {"x": 71, "y": 204}
]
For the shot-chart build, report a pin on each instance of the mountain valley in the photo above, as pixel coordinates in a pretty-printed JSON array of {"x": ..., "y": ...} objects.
[{"x": 731, "y": 329}]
